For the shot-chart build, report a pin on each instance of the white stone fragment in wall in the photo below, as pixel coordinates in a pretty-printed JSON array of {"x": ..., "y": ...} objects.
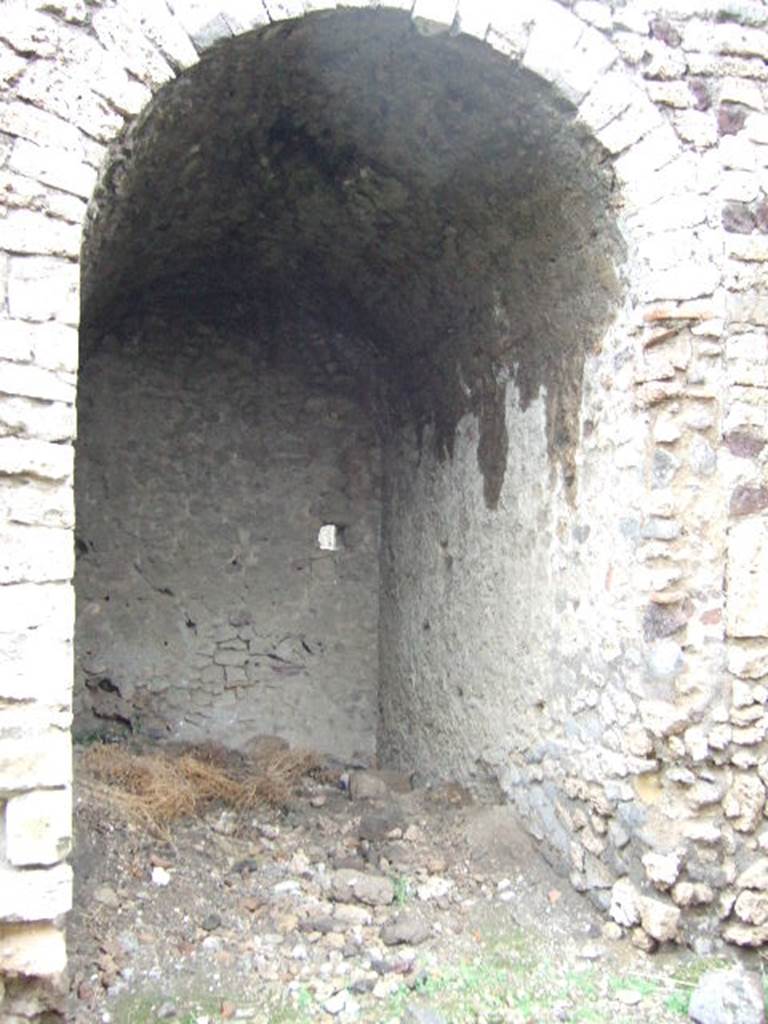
[
  {"x": 44, "y": 288},
  {"x": 750, "y": 308},
  {"x": 35, "y": 554},
  {"x": 50, "y": 345},
  {"x": 660, "y": 920},
  {"x": 669, "y": 214},
  {"x": 752, "y": 907},
  {"x": 164, "y": 31},
  {"x": 35, "y": 459},
  {"x": 35, "y": 894},
  {"x": 510, "y": 27},
  {"x": 747, "y": 609},
  {"x": 664, "y": 659},
  {"x": 38, "y": 827},
  {"x": 34, "y": 382},
  {"x": 742, "y": 91},
  {"x": 631, "y": 47},
  {"x": 474, "y": 18},
  {"x": 756, "y": 128},
  {"x": 653, "y": 152},
  {"x": 666, "y": 430},
  {"x": 741, "y": 694},
  {"x": 30, "y": 232},
  {"x": 630, "y": 126},
  {"x": 702, "y": 832},
  {"x": 740, "y": 186},
  {"x": 748, "y": 247},
  {"x": 750, "y": 347},
  {"x": 632, "y": 19},
  {"x": 696, "y": 744},
  {"x": 755, "y": 876},
  {"x": 130, "y": 48},
  {"x": 662, "y": 869},
  {"x": 610, "y": 97},
  {"x": 737, "y": 152},
  {"x": 670, "y": 94},
  {"x": 37, "y": 663},
  {"x": 29, "y": 32},
  {"x": 696, "y": 127},
  {"x": 744, "y": 802},
  {"x": 32, "y": 950},
  {"x": 553, "y": 38},
  {"x": 692, "y": 894},
  {"x": 54, "y": 167},
  {"x": 690, "y": 281},
  {"x": 11, "y": 63},
  {"x": 749, "y": 662},
  {"x": 43, "y": 128},
  {"x": 594, "y": 12},
  {"x": 23, "y": 193},
  {"x": 434, "y": 16},
  {"x": 726, "y": 38},
  {"x": 584, "y": 65},
  {"x": 53, "y": 87},
  {"x": 662, "y": 718},
  {"x": 37, "y": 503},
  {"x": 661, "y": 61}
]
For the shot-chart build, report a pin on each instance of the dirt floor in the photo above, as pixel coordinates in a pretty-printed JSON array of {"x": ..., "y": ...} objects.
[{"x": 357, "y": 899}]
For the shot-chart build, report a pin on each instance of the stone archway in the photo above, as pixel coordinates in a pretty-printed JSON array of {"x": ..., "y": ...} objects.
[{"x": 658, "y": 696}]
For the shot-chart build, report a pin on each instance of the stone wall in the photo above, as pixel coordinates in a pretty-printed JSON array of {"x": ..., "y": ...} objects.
[
  {"x": 206, "y": 608},
  {"x": 670, "y": 832}
]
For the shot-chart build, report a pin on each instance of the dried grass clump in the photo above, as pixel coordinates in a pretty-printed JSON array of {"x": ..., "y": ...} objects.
[{"x": 156, "y": 788}]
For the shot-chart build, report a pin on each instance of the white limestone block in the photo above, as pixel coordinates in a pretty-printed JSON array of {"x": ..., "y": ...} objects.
[
  {"x": 35, "y": 895},
  {"x": 52, "y": 166},
  {"x": 33, "y": 950},
  {"x": 747, "y": 575},
  {"x": 44, "y": 288},
  {"x": 38, "y": 827}
]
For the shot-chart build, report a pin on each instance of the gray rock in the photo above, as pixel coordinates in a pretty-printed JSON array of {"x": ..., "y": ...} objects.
[
  {"x": 375, "y": 890},
  {"x": 377, "y": 784},
  {"x": 367, "y": 786},
  {"x": 407, "y": 928},
  {"x": 728, "y": 997},
  {"x": 415, "y": 1014}
]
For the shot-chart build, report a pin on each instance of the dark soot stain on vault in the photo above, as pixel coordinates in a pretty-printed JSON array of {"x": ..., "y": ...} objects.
[{"x": 423, "y": 192}]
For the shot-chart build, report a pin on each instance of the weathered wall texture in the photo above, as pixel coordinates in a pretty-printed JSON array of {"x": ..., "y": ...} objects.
[
  {"x": 206, "y": 609},
  {"x": 632, "y": 459}
]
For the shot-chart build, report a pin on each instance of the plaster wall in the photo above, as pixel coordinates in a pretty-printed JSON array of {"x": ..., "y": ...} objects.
[
  {"x": 206, "y": 609},
  {"x": 509, "y": 650}
]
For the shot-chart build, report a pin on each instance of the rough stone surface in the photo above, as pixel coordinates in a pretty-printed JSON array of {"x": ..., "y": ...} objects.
[
  {"x": 375, "y": 890},
  {"x": 207, "y": 609},
  {"x": 38, "y": 827},
  {"x": 728, "y": 997},
  {"x": 659, "y": 920}
]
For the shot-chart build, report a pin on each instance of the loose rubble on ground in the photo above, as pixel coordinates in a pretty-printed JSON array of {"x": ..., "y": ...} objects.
[{"x": 358, "y": 898}]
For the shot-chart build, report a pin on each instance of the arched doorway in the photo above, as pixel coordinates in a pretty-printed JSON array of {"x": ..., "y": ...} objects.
[{"x": 424, "y": 231}]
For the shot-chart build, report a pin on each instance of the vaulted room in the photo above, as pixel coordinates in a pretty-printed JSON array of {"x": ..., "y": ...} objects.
[{"x": 341, "y": 283}]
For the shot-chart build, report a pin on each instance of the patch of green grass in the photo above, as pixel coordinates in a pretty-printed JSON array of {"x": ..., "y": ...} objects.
[
  {"x": 677, "y": 1002},
  {"x": 582, "y": 982},
  {"x": 143, "y": 1009},
  {"x": 403, "y": 889},
  {"x": 645, "y": 986}
]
